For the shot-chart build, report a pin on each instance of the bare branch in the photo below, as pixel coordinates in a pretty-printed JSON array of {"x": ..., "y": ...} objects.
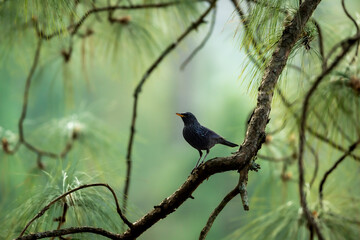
[
  {"x": 203, "y": 42},
  {"x": 253, "y": 41},
  {"x": 356, "y": 25},
  {"x": 73, "y": 28},
  {"x": 67, "y": 231},
  {"x": 311, "y": 130},
  {"x": 352, "y": 147},
  {"x": 217, "y": 211},
  {"x": 316, "y": 168},
  {"x": 22, "y": 139},
  {"x": 346, "y": 44},
  {"x": 42, "y": 211},
  {"x": 275, "y": 159},
  {"x": 321, "y": 44},
  {"x": 138, "y": 88},
  {"x": 26, "y": 91}
]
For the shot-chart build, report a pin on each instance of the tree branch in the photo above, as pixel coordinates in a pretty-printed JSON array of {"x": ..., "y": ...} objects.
[
  {"x": 137, "y": 91},
  {"x": 26, "y": 91},
  {"x": 73, "y": 28},
  {"x": 356, "y": 25},
  {"x": 42, "y": 211},
  {"x": 67, "y": 231},
  {"x": 316, "y": 168},
  {"x": 321, "y": 44},
  {"x": 22, "y": 139},
  {"x": 217, "y": 211},
  {"x": 352, "y": 147},
  {"x": 203, "y": 42},
  {"x": 312, "y": 131},
  {"x": 346, "y": 44}
]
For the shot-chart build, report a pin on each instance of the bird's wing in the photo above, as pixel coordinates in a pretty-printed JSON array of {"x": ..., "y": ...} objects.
[{"x": 205, "y": 132}]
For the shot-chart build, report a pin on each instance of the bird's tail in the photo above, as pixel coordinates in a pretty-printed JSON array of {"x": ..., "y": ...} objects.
[{"x": 227, "y": 143}]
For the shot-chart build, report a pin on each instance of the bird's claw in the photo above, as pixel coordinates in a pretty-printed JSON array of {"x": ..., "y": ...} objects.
[{"x": 254, "y": 166}]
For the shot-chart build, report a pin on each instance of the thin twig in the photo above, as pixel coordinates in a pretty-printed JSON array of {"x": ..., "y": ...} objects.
[
  {"x": 42, "y": 211},
  {"x": 72, "y": 230},
  {"x": 330, "y": 142},
  {"x": 26, "y": 91},
  {"x": 62, "y": 218},
  {"x": 275, "y": 159},
  {"x": 233, "y": 193},
  {"x": 203, "y": 42},
  {"x": 338, "y": 127},
  {"x": 321, "y": 44},
  {"x": 347, "y": 44},
  {"x": 73, "y": 28},
  {"x": 352, "y": 147},
  {"x": 312, "y": 131},
  {"x": 22, "y": 139},
  {"x": 316, "y": 168},
  {"x": 248, "y": 33},
  {"x": 356, "y": 25},
  {"x": 137, "y": 91}
]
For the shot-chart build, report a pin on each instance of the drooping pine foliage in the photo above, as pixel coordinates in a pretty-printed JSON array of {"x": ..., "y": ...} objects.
[{"x": 82, "y": 94}]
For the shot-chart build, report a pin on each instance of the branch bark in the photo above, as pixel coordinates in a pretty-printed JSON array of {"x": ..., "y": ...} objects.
[{"x": 67, "y": 231}]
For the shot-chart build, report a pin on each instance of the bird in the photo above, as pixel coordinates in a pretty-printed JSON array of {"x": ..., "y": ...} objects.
[{"x": 200, "y": 137}]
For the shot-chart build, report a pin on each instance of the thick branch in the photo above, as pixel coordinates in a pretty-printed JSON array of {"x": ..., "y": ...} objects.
[
  {"x": 346, "y": 44},
  {"x": 42, "y": 211},
  {"x": 137, "y": 91}
]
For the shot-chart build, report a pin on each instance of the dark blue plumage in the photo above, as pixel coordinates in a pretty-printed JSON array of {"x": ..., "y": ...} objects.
[{"x": 200, "y": 137}]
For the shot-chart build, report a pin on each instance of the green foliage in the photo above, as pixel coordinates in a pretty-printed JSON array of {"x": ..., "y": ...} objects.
[
  {"x": 84, "y": 83},
  {"x": 87, "y": 207}
]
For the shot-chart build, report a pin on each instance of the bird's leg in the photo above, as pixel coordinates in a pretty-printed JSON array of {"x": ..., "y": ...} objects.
[
  {"x": 207, "y": 152},
  {"x": 199, "y": 159}
]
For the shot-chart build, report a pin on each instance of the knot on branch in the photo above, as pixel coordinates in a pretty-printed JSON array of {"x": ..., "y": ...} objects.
[{"x": 122, "y": 20}]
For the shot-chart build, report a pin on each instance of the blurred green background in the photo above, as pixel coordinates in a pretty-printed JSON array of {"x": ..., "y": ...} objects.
[{"x": 93, "y": 93}]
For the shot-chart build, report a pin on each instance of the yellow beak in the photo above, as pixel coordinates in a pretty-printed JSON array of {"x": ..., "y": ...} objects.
[{"x": 179, "y": 115}]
